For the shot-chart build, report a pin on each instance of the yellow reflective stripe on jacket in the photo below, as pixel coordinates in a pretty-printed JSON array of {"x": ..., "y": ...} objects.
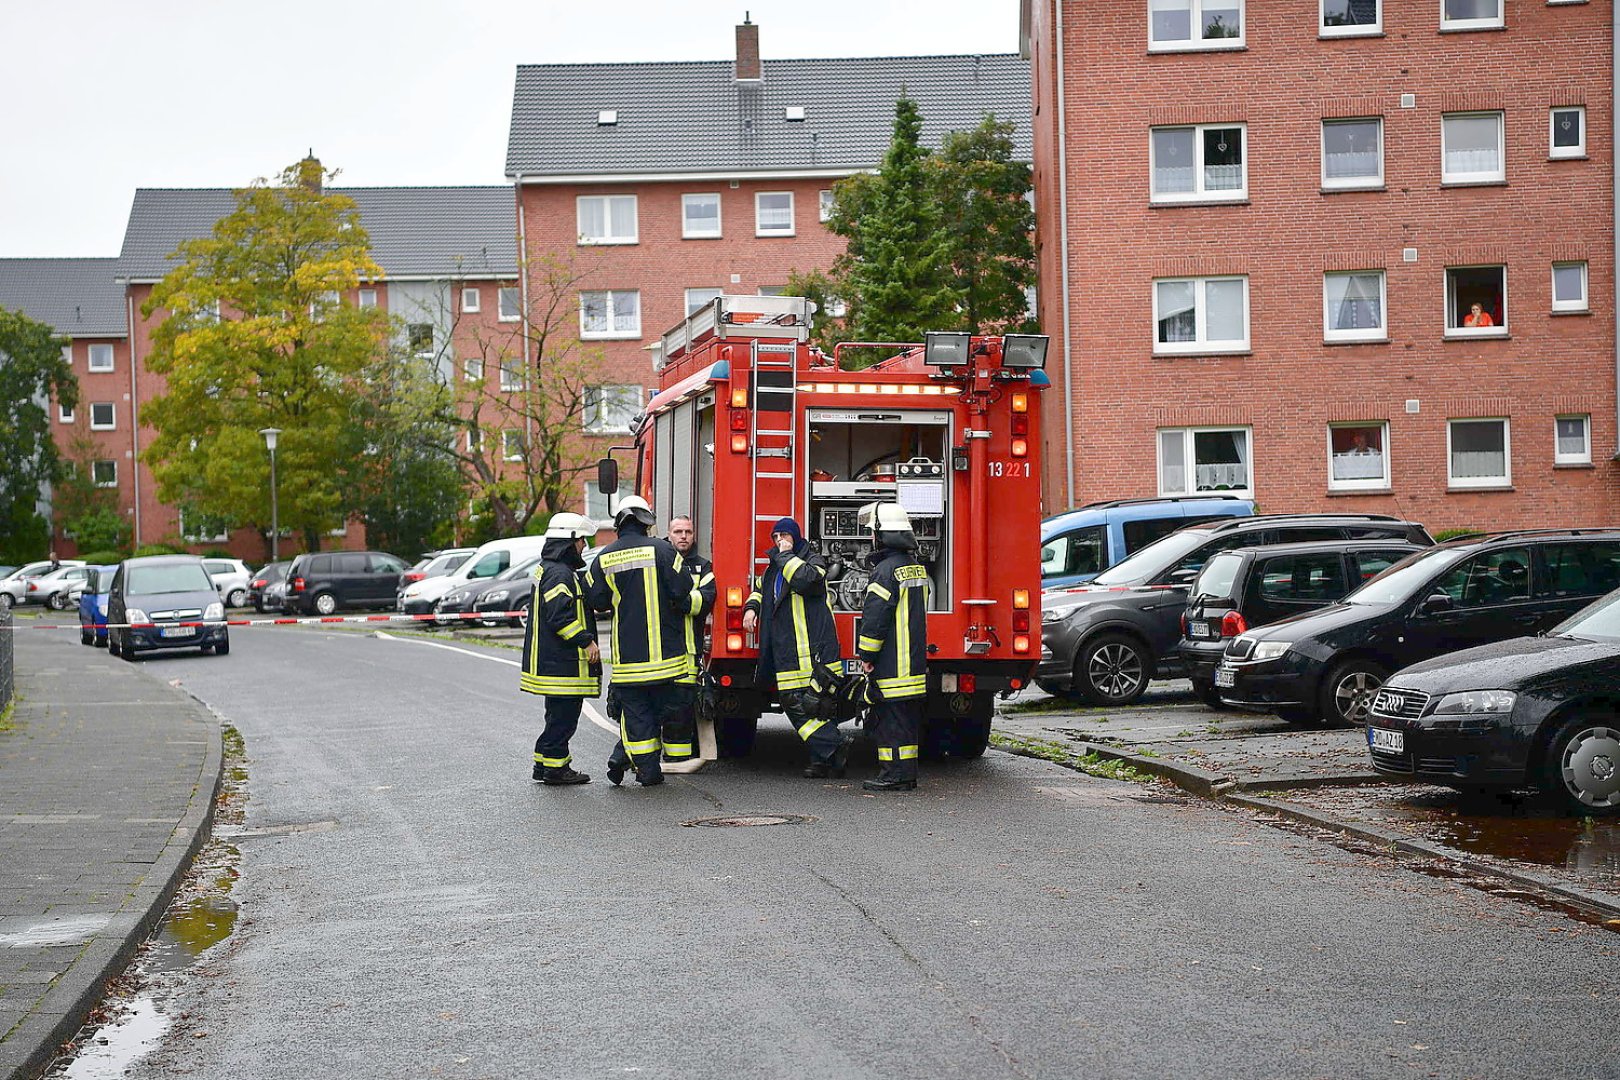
[
  {"x": 560, "y": 685},
  {"x": 647, "y": 671},
  {"x": 907, "y": 686},
  {"x": 866, "y": 644},
  {"x": 810, "y": 727},
  {"x": 650, "y": 599},
  {"x": 575, "y": 627},
  {"x": 877, "y": 590},
  {"x": 556, "y": 591},
  {"x": 801, "y": 630},
  {"x": 902, "y": 636}
]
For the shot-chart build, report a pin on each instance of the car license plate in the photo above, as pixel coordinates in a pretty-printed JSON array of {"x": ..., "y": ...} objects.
[
  {"x": 1225, "y": 676},
  {"x": 177, "y": 631},
  {"x": 1393, "y": 742},
  {"x": 1197, "y": 628}
]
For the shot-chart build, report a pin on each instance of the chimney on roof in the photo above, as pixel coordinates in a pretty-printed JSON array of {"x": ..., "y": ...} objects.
[
  {"x": 748, "y": 66},
  {"x": 310, "y": 173}
]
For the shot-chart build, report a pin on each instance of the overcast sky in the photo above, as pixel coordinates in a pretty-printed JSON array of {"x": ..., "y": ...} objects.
[{"x": 104, "y": 96}]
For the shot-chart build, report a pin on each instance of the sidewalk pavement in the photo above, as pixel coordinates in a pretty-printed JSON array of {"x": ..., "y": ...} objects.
[{"x": 107, "y": 785}]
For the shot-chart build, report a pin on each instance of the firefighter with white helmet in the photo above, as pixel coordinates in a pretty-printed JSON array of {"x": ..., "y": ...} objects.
[
  {"x": 893, "y": 645},
  {"x": 637, "y": 577},
  {"x": 561, "y": 659}
]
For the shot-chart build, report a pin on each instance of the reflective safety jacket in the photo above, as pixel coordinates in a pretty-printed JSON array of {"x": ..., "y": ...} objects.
[
  {"x": 698, "y": 605},
  {"x": 894, "y": 627},
  {"x": 636, "y": 578},
  {"x": 797, "y": 633},
  {"x": 560, "y": 629}
]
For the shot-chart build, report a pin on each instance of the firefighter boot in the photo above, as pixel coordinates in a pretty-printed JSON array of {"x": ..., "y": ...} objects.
[
  {"x": 880, "y": 784},
  {"x": 834, "y": 767},
  {"x": 563, "y": 777},
  {"x": 615, "y": 771}
]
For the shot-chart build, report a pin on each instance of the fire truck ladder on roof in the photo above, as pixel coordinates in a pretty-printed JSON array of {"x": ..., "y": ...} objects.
[{"x": 773, "y": 378}]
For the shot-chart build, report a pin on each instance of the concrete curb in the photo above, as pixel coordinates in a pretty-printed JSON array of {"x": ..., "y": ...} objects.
[
  {"x": 77, "y": 993},
  {"x": 1219, "y": 788}
]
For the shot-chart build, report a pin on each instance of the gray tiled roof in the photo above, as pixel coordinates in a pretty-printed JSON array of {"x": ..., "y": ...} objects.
[
  {"x": 415, "y": 231},
  {"x": 694, "y": 117},
  {"x": 75, "y": 297}
]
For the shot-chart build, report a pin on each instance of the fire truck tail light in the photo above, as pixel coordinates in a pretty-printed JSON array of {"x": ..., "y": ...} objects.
[
  {"x": 1021, "y": 644},
  {"x": 1020, "y": 622},
  {"x": 1021, "y": 599},
  {"x": 733, "y": 619},
  {"x": 1020, "y": 448},
  {"x": 739, "y": 397},
  {"x": 1020, "y": 403},
  {"x": 966, "y": 684},
  {"x": 1020, "y": 423},
  {"x": 725, "y": 680},
  {"x": 739, "y": 444},
  {"x": 739, "y": 420},
  {"x": 733, "y": 644},
  {"x": 734, "y": 596}
]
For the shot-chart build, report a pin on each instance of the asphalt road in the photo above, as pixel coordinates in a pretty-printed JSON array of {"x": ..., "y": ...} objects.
[{"x": 443, "y": 916}]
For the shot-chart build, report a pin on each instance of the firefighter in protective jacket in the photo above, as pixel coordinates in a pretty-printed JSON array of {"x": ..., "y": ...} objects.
[
  {"x": 636, "y": 578},
  {"x": 798, "y": 645},
  {"x": 893, "y": 645},
  {"x": 680, "y": 721},
  {"x": 560, "y": 655}
]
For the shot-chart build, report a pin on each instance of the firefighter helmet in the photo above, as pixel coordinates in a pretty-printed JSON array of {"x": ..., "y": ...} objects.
[
  {"x": 882, "y": 517},
  {"x": 567, "y": 526},
  {"x": 635, "y": 507}
]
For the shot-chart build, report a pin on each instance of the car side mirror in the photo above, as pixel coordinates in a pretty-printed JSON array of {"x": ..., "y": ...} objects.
[
  {"x": 607, "y": 476},
  {"x": 1183, "y": 577},
  {"x": 1435, "y": 603}
]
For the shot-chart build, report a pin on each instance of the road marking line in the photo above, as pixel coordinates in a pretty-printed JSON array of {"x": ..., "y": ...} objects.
[{"x": 591, "y": 712}]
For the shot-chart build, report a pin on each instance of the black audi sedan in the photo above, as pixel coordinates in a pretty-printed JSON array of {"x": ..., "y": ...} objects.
[
  {"x": 1470, "y": 591},
  {"x": 1531, "y": 712}
]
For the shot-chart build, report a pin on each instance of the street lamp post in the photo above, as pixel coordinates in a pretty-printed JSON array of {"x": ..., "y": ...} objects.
[{"x": 270, "y": 434}]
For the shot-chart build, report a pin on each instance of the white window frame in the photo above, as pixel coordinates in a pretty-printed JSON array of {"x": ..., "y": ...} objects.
[
  {"x": 512, "y": 373},
  {"x": 1324, "y": 30},
  {"x": 1201, "y": 346},
  {"x": 470, "y": 292},
  {"x": 714, "y": 290},
  {"x": 580, "y": 202},
  {"x": 594, "y": 498},
  {"x": 367, "y": 298},
  {"x": 475, "y": 440},
  {"x": 1380, "y": 483},
  {"x": 1583, "y": 303},
  {"x": 1585, "y": 456},
  {"x": 1199, "y": 194},
  {"x": 91, "y": 352},
  {"x": 1351, "y": 183},
  {"x": 112, "y": 411},
  {"x": 1555, "y": 151},
  {"x": 509, "y": 437},
  {"x": 824, "y": 204},
  {"x": 1190, "y": 455},
  {"x": 1495, "y": 177},
  {"x": 1506, "y": 480},
  {"x": 609, "y": 334},
  {"x": 688, "y": 232},
  {"x": 760, "y": 230},
  {"x": 1199, "y": 44},
  {"x": 104, "y": 483},
  {"x": 1378, "y": 333},
  {"x": 1473, "y": 24},
  {"x": 596, "y": 425},
  {"x": 433, "y": 340},
  {"x": 472, "y": 368},
  {"x": 501, "y": 295},
  {"x": 64, "y": 415},
  {"x": 1460, "y": 331},
  {"x": 200, "y": 538}
]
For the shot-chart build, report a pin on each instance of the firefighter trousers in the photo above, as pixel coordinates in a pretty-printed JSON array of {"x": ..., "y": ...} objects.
[
  {"x": 898, "y": 733},
  {"x": 562, "y": 720},
  {"x": 680, "y": 723},
  {"x": 821, "y": 736},
  {"x": 641, "y": 707}
]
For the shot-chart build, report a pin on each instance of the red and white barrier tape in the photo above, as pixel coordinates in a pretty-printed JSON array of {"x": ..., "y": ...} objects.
[{"x": 299, "y": 621}]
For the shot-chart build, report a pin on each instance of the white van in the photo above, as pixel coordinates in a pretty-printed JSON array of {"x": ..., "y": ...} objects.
[{"x": 419, "y": 597}]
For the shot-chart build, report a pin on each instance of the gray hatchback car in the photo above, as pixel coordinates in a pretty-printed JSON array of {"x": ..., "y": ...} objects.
[{"x": 172, "y": 604}]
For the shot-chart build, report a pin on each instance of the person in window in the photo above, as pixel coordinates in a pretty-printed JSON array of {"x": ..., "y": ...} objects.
[
  {"x": 1358, "y": 444},
  {"x": 1477, "y": 316}
]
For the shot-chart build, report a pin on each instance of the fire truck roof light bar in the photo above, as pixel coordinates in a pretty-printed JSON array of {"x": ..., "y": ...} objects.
[
  {"x": 1024, "y": 351},
  {"x": 946, "y": 350}
]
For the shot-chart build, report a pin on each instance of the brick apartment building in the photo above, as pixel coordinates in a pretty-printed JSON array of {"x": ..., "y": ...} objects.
[
  {"x": 666, "y": 184},
  {"x": 1265, "y": 228}
]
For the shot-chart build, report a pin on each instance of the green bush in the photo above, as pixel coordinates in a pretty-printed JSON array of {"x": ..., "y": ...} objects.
[
  {"x": 218, "y": 553},
  {"x": 159, "y": 549},
  {"x": 1451, "y": 534},
  {"x": 103, "y": 558}
]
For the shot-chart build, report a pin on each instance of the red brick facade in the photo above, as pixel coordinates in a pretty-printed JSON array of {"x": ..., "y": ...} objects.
[{"x": 1285, "y": 230}]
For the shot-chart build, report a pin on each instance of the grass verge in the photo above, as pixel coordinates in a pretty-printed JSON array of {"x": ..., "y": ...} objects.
[
  {"x": 7, "y": 723},
  {"x": 1090, "y": 763}
]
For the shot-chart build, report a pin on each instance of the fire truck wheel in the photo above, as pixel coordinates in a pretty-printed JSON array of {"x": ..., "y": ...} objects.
[
  {"x": 734, "y": 735},
  {"x": 972, "y": 737},
  {"x": 1113, "y": 669}
]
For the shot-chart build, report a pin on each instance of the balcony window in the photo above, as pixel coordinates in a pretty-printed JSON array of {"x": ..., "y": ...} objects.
[
  {"x": 1194, "y": 315},
  {"x": 1195, "y": 24},
  {"x": 1193, "y": 164},
  {"x": 611, "y": 409},
  {"x": 1353, "y": 153},
  {"x": 1478, "y": 453},
  {"x": 607, "y": 219},
  {"x": 1472, "y": 148},
  {"x": 610, "y": 314},
  {"x": 773, "y": 213},
  {"x": 1572, "y": 440},
  {"x": 1567, "y": 132},
  {"x": 1476, "y": 301},
  {"x": 1195, "y": 460},
  {"x": 1354, "y": 306},
  {"x": 700, "y": 215},
  {"x": 1357, "y": 456}
]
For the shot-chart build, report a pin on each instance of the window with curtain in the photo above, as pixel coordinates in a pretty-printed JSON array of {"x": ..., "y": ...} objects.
[
  {"x": 1357, "y": 456},
  {"x": 1478, "y": 453},
  {"x": 1572, "y": 437},
  {"x": 607, "y": 219},
  {"x": 1195, "y": 24},
  {"x": 614, "y": 313},
  {"x": 1195, "y": 460},
  {"x": 1352, "y": 153},
  {"x": 1200, "y": 162},
  {"x": 1472, "y": 148},
  {"x": 1354, "y": 305},
  {"x": 1201, "y": 314}
]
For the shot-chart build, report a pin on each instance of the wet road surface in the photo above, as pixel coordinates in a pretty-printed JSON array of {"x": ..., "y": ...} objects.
[{"x": 411, "y": 904}]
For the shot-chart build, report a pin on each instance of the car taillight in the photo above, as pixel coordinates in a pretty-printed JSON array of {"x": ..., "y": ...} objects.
[
  {"x": 258, "y": 583},
  {"x": 297, "y": 584},
  {"x": 1183, "y": 624},
  {"x": 414, "y": 575},
  {"x": 1233, "y": 623},
  {"x": 32, "y": 587}
]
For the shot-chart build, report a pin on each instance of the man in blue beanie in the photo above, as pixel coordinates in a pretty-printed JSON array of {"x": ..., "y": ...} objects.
[{"x": 792, "y": 613}]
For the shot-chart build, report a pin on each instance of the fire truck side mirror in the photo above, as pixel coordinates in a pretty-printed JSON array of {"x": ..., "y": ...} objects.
[{"x": 607, "y": 476}]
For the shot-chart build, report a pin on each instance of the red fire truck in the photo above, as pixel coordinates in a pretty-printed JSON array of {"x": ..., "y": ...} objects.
[{"x": 751, "y": 424}]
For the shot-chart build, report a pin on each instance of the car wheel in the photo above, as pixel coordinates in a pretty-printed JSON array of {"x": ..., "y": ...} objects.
[
  {"x": 1112, "y": 670},
  {"x": 127, "y": 651},
  {"x": 1205, "y": 691},
  {"x": 6, "y": 600},
  {"x": 734, "y": 735},
  {"x": 207, "y": 650},
  {"x": 325, "y": 604},
  {"x": 56, "y": 601},
  {"x": 223, "y": 648},
  {"x": 237, "y": 598},
  {"x": 1347, "y": 692},
  {"x": 522, "y": 621},
  {"x": 1583, "y": 766}
]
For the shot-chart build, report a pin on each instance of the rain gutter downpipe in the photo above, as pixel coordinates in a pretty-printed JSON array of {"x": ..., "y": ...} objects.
[
  {"x": 1063, "y": 256},
  {"x": 1614, "y": 183},
  {"x": 134, "y": 417}
]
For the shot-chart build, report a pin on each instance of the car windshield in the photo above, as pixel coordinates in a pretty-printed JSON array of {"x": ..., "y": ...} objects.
[
  {"x": 1598, "y": 621},
  {"x": 273, "y": 572},
  {"x": 1397, "y": 584},
  {"x": 104, "y": 578},
  {"x": 1216, "y": 579},
  {"x": 445, "y": 563},
  {"x": 167, "y": 578},
  {"x": 1153, "y": 560}
]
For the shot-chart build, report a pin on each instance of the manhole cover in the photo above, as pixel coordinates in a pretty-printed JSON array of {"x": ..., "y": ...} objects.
[{"x": 741, "y": 820}]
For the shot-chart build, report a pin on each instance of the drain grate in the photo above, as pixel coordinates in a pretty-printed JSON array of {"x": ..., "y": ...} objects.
[{"x": 743, "y": 820}]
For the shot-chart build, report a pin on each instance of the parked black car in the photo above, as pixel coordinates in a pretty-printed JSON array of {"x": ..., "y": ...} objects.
[
  {"x": 273, "y": 573},
  {"x": 322, "y": 583},
  {"x": 1469, "y": 591},
  {"x": 1538, "y": 712},
  {"x": 1103, "y": 642},
  {"x": 1249, "y": 587},
  {"x": 511, "y": 591},
  {"x": 161, "y": 592},
  {"x": 511, "y": 584}
]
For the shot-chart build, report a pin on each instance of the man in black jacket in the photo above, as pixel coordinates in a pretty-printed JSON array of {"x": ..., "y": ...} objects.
[
  {"x": 680, "y": 721},
  {"x": 560, "y": 656},
  {"x": 893, "y": 644},
  {"x": 792, "y": 612}
]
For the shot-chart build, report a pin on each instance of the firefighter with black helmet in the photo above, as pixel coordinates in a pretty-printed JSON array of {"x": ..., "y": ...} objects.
[
  {"x": 636, "y": 578},
  {"x": 893, "y": 645},
  {"x": 561, "y": 659},
  {"x": 680, "y": 720},
  {"x": 798, "y": 642}
]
